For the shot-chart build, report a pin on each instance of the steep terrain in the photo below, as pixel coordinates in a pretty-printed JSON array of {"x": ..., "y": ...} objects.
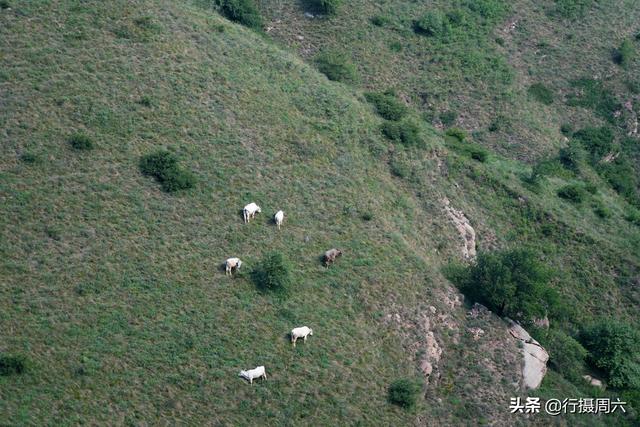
[{"x": 112, "y": 288}]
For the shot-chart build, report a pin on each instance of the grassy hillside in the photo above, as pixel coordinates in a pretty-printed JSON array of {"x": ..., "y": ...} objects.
[{"x": 112, "y": 288}]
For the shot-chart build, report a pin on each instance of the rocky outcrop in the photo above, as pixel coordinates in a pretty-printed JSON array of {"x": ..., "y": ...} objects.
[
  {"x": 535, "y": 356},
  {"x": 593, "y": 381},
  {"x": 464, "y": 228}
]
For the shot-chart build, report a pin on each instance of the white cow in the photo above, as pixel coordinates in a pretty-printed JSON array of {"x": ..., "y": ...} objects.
[
  {"x": 302, "y": 332},
  {"x": 279, "y": 218},
  {"x": 231, "y": 265},
  {"x": 250, "y": 211},
  {"x": 253, "y": 374}
]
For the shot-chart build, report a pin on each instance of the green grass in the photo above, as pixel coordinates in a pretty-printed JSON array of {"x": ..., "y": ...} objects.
[{"x": 113, "y": 289}]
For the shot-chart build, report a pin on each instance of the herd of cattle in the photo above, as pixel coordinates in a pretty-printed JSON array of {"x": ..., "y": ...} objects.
[{"x": 233, "y": 264}]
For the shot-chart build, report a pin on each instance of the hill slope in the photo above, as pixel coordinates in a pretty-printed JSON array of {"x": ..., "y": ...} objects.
[{"x": 112, "y": 288}]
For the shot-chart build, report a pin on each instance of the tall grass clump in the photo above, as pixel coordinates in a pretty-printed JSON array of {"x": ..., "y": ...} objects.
[
  {"x": 624, "y": 54},
  {"x": 541, "y": 93},
  {"x": 336, "y": 66},
  {"x": 403, "y": 392},
  {"x": 573, "y": 193},
  {"x": 327, "y": 7},
  {"x": 273, "y": 274},
  {"x": 243, "y": 12},
  {"x": 387, "y": 105},
  {"x": 12, "y": 365},
  {"x": 163, "y": 166},
  {"x": 405, "y": 132},
  {"x": 433, "y": 24},
  {"x": 80, "y": 141}
]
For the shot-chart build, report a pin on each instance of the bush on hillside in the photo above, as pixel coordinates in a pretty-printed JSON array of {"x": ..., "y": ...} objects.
[
  {"x": 403, "y": 392},
  {"x": 336, "y": 66},
  {"x": 593, "y": 94},
  {"x": 273, "y": 274},
  {"x": 387, "y": 106},
  {"x": 405, "y": 132},
  {"x": 541, "y": 93},
  {"x": 624, "y": 54},
  {"x": 500, "y": 124},
  {"x": 511, "y": 283},
  {"x": 30, "y": 158},
  {"x": 433, "y": 24},
  {"x": 243, "y": 12},
  {"x": 566, "y": 129},
  {"x": 622, "y": 177},
  {"x": 380, "y": 20},
  {"x": 80, "y": 141},
  {"x": 597, "y": 141},
  {"x": 573, "y": 193},
  {"x": 572, "y": 156},
  {"x": 12, "y": 365},
  {"x": 448, "y": 117},
  {"x": 459, "y": 134},
  {"x": 633, "y": 216},
  {"x": 327, "y": 7},
  {"x": 566, "y": 355},
  {"x": 614, "y": 348},
  {"x": 163, "y": 166},
  {"x": 571, "y": 9}
]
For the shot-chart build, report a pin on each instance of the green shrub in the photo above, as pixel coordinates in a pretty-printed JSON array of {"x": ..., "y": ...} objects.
[
  {"x": 327, "y": 7},
  {"x": 367, "y": 216},
  {"x": 145, "y": 101},
  {"x": 80, "y": 141},
  {"x": 243, "y": 12},
  {"x": 566, "y": 355},
  {"x": 12, "y": 365},
  {"x": 633, "y": 216},
  {"x": 448, "y": 117},
  {"x": 622, "y": 177},
  {"x": 395, "y": 46},
  {"x": 30, "y": 158},
  {"x": 387, "y": 106},
  {"x": 614, "y": 348},
  {"x": 624, "y": 54},
  {"x": 633, "y": 86},
  {"x": 541, "y": 93},
  {"x": 571, "y": 9},
  {"x": 500, "y": 123},
  {"x": 273, "y": 274},
  {"x": 459, "y": 134},
  {"x": 478, "y": 153},
  {"x": 164, "y": 167},
  {"x": 573, "y": 193},
  {"x": 602, "y": 211},
  {"x": 405, "y": 132},
  {"x": 511, "y": 283},
  {"x": 572, "y": 156},
  {"x": 403, "y": 392},
  {"x": 590, "y": 93},
  {"x": 4, "y": 4},
  {"x": 336, "y": 66},
  {"x": 433, "y": 24},
  {"x": 597, "y": 141},
  {"x": 566, "y": 129},
  {"x": 380, "y": 20}
]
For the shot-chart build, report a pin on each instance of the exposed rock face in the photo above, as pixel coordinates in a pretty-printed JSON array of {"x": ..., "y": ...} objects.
[
  {"x": 593, "y": 381},
  {"x": 464, "y": 228},
  {"x": 535, "y": 356}
]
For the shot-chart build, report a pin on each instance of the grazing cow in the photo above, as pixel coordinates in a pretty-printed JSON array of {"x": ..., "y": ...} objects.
[
  {"x": 331, "y": 255},
  {"x": 302, "y": 332},
  {"x": 279, "y": 218},
  {"x": 231, "y": 265},
  {"x": 253, "y": 374},
  {"x": 250, "y": 211}
]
